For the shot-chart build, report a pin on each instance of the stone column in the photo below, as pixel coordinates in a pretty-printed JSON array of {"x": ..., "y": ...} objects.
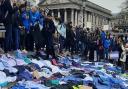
[
  {"x": 65, "y": 16},
  {"x": 102, "y": 21},
  {"x": 92, "y": 18},
  {"x": 80, "y": 18},
  {"x": 76, "y": 18},
  {"x": 52, "y": 12},
  {"x": 72, "y": 16},
  {"x": 89, "y": 17},
  {"x": 85, "y": 19},
  {"x": 97, "y": 20},
  {"x": 58, "y": 13}
]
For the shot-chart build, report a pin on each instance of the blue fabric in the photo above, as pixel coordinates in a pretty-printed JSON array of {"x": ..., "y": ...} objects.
[
  {"x": 18, "y": 55},
  {"x": 26, "y": 21},
  {"x": 3, "y": 84},
  {"x": 18, "y": 87},
  {"x": 107, "y": 43},
  {"x": 103, "y": 36},
  {"x": 71, "y": 78},
  {"x": 34, "y": 17},
  {"x": 65, "y": 61},
  {"x": 36, "y": 66},
  {"x": 25, "y": 75}
]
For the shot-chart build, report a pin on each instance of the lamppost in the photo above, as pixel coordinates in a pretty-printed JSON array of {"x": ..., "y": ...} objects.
[{"x": 84, "y": 4}]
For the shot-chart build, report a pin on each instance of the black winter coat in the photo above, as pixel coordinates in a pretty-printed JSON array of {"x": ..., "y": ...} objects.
[{"x": 7, "y": 8}]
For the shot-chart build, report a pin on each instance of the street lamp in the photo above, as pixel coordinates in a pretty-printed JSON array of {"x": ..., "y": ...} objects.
[{"x": 84, "y": 5}]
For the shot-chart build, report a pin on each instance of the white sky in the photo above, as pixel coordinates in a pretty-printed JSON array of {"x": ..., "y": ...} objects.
[{"x": 113, "y": 5}]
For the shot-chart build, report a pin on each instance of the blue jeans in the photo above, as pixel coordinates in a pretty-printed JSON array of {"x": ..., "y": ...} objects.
[
  {"x": 16, "y": 38},
  {"x": 106, "y": 51},
  {"x": 8, "y": 37}
]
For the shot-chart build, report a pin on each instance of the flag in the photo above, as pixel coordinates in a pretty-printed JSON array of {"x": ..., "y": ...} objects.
[{"x": 47, "y": 10}]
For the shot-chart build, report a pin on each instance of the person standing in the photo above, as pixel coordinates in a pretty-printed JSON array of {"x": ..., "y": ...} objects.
[
  {"x": 35, "y": 29},
  {"x": 49, "y": 28},
  {"x": 92, "y": 46},
  {"x": 15, "y": 28},
  {"x": 78, "y": 42},
  {"x": 107, "y": 43},
  {"x": 42, "y": 17},
  {"x": 25, "y": 32},
  {"x": 100, "y": 49},
  {"x": 70, "y": 38},
  {"x": 7, "y": 10}
]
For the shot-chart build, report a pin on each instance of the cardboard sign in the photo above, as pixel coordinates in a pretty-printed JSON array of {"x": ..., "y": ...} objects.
[
  {"x": 89, "y": 25},
  {"x": 106, "y": 27}
]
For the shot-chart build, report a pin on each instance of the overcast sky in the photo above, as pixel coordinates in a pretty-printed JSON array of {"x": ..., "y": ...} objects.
[{"x": 113, "y": 5}]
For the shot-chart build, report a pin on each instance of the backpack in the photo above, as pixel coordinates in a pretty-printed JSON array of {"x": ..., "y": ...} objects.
[{"x": 2, "y": 15}]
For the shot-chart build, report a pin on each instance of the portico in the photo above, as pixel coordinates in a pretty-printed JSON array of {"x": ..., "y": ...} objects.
[{"x": 71, "y": 10}]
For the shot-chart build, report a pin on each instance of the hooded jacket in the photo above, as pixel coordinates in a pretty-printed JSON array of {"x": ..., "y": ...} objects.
[
  {"x": 34, "y": 17},
  {"x": 25, "y": 21},
  {"x": 107, "y": 43}
]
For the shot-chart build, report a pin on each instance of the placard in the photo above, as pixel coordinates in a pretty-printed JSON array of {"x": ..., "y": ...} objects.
[
  {"x": 89, "y": 25},
  {"x": 106, "y": 27}
]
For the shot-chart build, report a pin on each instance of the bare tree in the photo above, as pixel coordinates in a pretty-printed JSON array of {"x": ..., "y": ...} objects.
[{"x": 125, "y": 5}]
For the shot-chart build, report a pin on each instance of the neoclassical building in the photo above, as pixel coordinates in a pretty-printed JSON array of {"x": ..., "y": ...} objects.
[{"x": 80, "y": 12}]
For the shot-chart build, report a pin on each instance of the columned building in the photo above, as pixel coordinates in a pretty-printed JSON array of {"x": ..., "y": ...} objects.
[{"x": 77, "y": 10}]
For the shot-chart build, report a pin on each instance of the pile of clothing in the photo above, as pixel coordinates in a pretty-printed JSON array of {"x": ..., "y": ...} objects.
[{"x": 23, "y": 70}]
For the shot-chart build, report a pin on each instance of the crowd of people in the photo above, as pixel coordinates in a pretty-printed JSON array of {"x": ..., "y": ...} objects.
[
  {"x": 26, "y": 26},
  {"x": 30, "y": 27}
]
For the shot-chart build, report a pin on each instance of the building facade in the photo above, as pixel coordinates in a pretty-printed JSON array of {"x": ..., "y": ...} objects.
[
  {"x": 79, "y": 12},
  {"x": 120, "y": 20}
]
